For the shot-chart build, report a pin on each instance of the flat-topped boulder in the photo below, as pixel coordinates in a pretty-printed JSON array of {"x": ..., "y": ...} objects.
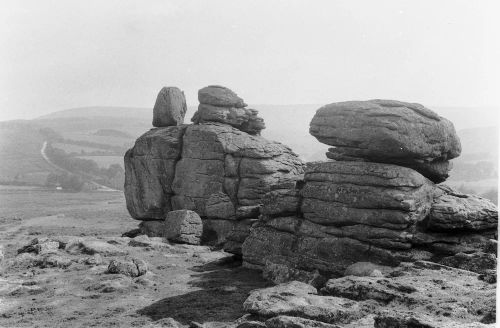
[
  {"x": 220, "y": 96},
  {"x": 222, "y": 105},
  {"x": 388, "y": 131},
  {"x": 170, "y": 107}
]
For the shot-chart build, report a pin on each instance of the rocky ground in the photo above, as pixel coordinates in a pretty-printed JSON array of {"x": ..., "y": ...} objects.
[
  {"x": 60, "y": 269},
  {"x": 68, "y": 283}
]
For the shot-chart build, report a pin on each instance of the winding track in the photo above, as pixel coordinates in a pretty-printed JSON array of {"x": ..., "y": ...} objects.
[{"x": 100, "y": 187}]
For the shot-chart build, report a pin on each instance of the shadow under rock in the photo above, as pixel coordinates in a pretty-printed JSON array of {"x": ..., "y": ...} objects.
[{"x": 225, "y": 286}]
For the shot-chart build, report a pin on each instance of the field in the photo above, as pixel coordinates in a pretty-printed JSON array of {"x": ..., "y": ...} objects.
[
  {"x": 105, "y": 161},
  {"x": 187, "y": 283}
]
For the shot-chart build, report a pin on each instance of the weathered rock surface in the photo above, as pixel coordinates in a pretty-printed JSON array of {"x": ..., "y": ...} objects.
[
  {"x": 170, "y": 107},
  {"x": 476, "y": 262},
  {"x": 284, "y": 321},
  {"x": 183, "y": 226},
  {"x": 282, "y": 273},
  {"x": 129, "y": 267},
  {"x": 219, "y": 167},
  {"x": 150, "y": 170},
  {"x": 457, "y": 211},
  {"x": 217, "y": 95},
  {"x": 244, "y": 119},
  {"x": 301, "y": 300},
  {"x": 347, "y": 212},
  {"x": 388, "y": 131}
]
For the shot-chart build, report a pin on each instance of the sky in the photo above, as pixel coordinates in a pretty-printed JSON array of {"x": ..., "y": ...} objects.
[{"x": 63, "y": 54}]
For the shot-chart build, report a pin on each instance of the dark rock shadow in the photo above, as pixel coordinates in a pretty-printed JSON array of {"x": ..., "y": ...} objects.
[{"x": 225, "y": 286}]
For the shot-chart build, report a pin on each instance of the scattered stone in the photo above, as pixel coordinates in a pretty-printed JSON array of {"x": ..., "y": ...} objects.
[
  {"x": 54, "y": 261},
  {"x": 477, "y": 262},
  {"x": 132, "y": 267},
  {"x": 301, "y": 300},
  {"x": 93, "y": 260},
  {"x": 217, "y": 95},
  {"x": 284, "y": 321},
  {"x": 92, "y": 247},
  {"x": 366, "y": 269},
  {"x": 183, "y": 226},
  {"x": 132, "y": 233},
  {"x": 489, "y": 276},
  {"x": 420, "y": 321},
  {"x": 252, "y": 324},
  {"x": 170, "y": 107},
  {"x": 388, "y": 131},
  {"x": 27, "y": 290},
  {"x": 281, "y": 273}
]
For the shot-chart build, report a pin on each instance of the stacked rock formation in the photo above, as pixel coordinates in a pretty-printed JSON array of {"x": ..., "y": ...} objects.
[
  {"x": 219, "y": 104},
  {"x": 376, "y": 201},
  {"x": 218, "y": 167}
]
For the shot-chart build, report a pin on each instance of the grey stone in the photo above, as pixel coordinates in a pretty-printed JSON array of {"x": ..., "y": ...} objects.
[
  {"x": 170, "y": 107},
  {"x": 217, "y": 95},
  {"x": 183, "y": 226},
  {"x": 388, "y": 131}
]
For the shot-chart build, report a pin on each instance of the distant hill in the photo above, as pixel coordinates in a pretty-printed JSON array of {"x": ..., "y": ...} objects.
[{"x": 103, "y": 134}]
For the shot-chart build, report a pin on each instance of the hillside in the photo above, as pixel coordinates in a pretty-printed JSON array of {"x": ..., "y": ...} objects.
[{"x": 102, "y": 135}]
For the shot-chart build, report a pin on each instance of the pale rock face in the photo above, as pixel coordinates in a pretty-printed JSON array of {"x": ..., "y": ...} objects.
[
  {"x": 301, "y": 300},
  {"x": 388, "y": 131},
  {"x": 170, "y": 107}
]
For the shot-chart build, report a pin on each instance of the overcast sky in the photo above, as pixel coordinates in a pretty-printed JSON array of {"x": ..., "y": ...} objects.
[{"x": 62, "y": 54}]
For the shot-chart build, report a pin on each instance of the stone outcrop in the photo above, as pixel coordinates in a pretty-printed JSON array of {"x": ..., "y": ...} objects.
[
  {"x": 368, "y": 204},
  {"x": 219, "y": 168},
  {"x": 219, "y": 104},
  {"x": 388, "y": 131},
  {"x": 170, "y": 107},
  {"x": 433, "y": 295}
]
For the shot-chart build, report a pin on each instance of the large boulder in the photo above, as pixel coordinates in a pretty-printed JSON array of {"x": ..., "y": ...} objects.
[
  {"x": 212, "y": 168},
  {"x": 170, "y": 107},
  {"x": 220, "y": 96},
  {"x": 150, "y": 170},
  {"x": 347, "y": 212},
  {"x": 454, "y": 210},
  {"x": 388, "y": 131}
]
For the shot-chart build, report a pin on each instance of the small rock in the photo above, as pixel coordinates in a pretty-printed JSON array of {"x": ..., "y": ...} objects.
[
  {"x": 92, "y": 247},
  {"x": 183, "y": 226},
  {"x": 281, "y": 273},
  {"x": 284, "y": 321},
  {"x": 93, "y": 260},
  {"x": 365, "y": 269},
  {"x": 489, "y": 276},
  {"x": 251, "y": 324},
  {"x": 47, "y": 247},
  {"x": 54, "y": 261},
  {"x": 133, "y": 267}
]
